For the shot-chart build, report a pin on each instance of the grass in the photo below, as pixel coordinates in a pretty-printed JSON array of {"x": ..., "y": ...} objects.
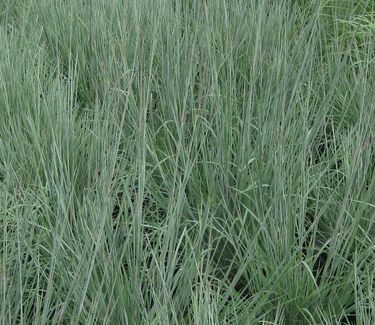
[{"x": 187, "y": 162}]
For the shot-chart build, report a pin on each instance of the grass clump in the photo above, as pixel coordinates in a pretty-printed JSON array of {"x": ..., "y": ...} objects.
[{"x": 187, "y": 162}]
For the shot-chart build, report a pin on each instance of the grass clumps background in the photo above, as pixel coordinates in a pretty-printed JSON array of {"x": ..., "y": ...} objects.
[{"x": 187, "y": 162}]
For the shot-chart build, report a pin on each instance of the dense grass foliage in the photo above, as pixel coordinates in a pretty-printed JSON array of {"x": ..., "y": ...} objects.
[{"x": 187, "y": 162}]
